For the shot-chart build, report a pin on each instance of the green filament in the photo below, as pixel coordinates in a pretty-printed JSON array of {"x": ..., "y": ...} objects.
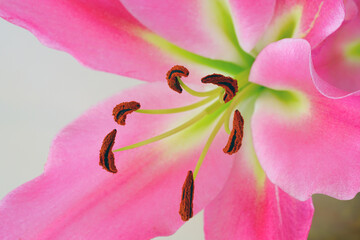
[
  {"x": 221, "y": 97},
  {"x": 212, "y": 108},
  {"x": 164, "y": 135},
  {"x": 226, "y": 123},
  {"x": 216, "y": 91},
  {"x": 183, "y": 126},
  {"x": 179, "y": 109},
  {"x": 247, "y": 92},
  {"x": 208, "y": 144}
]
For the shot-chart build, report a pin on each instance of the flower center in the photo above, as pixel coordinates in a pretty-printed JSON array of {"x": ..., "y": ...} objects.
[{"x": 223, "y": 100}]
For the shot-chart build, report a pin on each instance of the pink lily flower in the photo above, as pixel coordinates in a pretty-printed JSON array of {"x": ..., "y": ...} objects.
[{"x": 296, "y": 65}]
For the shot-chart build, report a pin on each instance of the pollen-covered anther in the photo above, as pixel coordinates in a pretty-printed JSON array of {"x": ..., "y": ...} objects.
[
  {"x": 123, "y": 109},
  {"x": 229, "y": 84},
  {"x": 172, "y": 77},
  {"x": 236, "y": 136},
  {"x": 107, "y": 159},
  {"x": 186, "y": 205}
]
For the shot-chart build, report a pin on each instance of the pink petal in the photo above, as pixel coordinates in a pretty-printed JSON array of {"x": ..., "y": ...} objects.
[
  {"x": 251, "y": 19},
  {"x": 100, "y": 34},
  {"x": 331, "y": 15},
  {"x": 332, "y": 63},
  {"x": 195, "y": 25},
  {"x": 312, "y": 20},
  {"x": 76, "y": 199},
  {"x": 351, "y": 9},
  {"x": 309, "y": 144},
  {"x": 244, "y": 210},
  {"x": 251, "y": 207}
]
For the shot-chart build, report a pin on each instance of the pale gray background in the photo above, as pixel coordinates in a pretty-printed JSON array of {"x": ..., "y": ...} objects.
[{"x": 41, "y": 91}]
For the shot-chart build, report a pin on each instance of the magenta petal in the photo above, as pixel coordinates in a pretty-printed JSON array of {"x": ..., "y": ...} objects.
[
  {"x": 100, "y": 34},
  {"x": 76, "y": 199},
  {"x": 251, "y": 19},
  {"x": 194, "y": 25},
  {"x": 351, "y": 9},
  {"x": 334, "y": 66},
  {"x": 313, "y": 20},
  {"x": 330, "y": 16},
  {"x": 312, "y": 145},
  {"x": 247, "y": 209},
  {"x": 251, "y": 207}
]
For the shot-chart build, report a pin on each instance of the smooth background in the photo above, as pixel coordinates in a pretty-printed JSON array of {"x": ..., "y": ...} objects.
[{"x": 42, "y": 90}]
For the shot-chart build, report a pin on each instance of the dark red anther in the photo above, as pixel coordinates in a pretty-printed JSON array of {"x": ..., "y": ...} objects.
[
  {"x": 236, "y": 136},
  {"x": 186, "y": 205},
  {"x": 228, "y": 83},
  {"x": 123, "y": 109},
  {"x": 172, "y": 77},
  {"x": 107, "y": 159}
]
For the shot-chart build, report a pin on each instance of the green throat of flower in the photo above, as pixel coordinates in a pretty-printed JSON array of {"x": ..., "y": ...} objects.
[{"x": 222, "y": 101}]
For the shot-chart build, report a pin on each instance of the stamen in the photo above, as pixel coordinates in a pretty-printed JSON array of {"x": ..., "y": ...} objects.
[
  {"x": 248, "y": 91},
  {"x": 179, "y": 109},
  {"x": 123, "y": 109},
  {"x": 186, "y": 205},
  {"x": 236, "y": 136},
  {"x": 209, "y": 142},
  {"x": 243, "y": 94},
  {"x": 165, "y": 134},
  {"x": 172, "y": 77},
  {"x": 229, "y": 84},
  {"x": 171, "y": 132},
  {"x": 213, "y": 92},
  {"x": 107, "y": 159}
]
